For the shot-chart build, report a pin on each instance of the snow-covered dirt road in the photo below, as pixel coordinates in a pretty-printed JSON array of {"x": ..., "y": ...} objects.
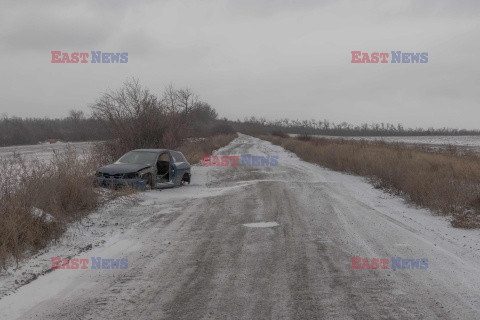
[{"x": 258, "y": 243}]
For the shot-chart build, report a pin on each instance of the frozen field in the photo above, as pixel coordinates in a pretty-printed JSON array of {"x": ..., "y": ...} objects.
[
  {"x": 466, "y": 142},
  {"x": 43, "y": 151}
]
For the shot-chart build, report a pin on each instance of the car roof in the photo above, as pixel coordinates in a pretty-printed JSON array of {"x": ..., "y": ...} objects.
[
  {"x": 152, "y": 150},
  {"x": 156, "y": 150}
]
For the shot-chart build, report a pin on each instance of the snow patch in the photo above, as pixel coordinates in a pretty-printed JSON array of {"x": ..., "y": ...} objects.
[
  {"x": 39, "y": 213},
  {"x": 261, "y": 225}
]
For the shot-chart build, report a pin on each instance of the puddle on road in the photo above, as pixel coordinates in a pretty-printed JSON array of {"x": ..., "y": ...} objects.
[{"x": 261, "y": 225}]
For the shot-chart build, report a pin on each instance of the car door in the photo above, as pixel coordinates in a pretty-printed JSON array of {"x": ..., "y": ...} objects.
[
  {"x": 181, "y": 165},
  {"x": 171, "y": 170}
]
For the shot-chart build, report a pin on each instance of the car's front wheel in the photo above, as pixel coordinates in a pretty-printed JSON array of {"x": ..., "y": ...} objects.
[{"x": 149, "y": 178}]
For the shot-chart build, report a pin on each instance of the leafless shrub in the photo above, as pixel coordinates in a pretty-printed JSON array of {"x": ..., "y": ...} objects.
[
  {"x": 222, "y": 128},
  {"x": 38, "y": 199},
  {"x": 466, "y": 221},
  {"x": 136, "y": 117},
  {"x": 280, "y": 134}
]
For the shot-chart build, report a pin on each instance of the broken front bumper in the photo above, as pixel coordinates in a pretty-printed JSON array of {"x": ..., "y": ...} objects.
[{"x": 137, "y": 183}]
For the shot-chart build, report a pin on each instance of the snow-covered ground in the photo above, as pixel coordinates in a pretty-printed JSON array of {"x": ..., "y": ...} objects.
[
  {"x": 44, "y": 151},
  {"x": 246, "y": 242}
]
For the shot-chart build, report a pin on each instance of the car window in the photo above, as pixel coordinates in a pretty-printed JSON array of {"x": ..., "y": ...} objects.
[
  {"x": 177, "y": 157},
  {"x": 164, "y": 157},
  {"x": 139, "y": 157}
]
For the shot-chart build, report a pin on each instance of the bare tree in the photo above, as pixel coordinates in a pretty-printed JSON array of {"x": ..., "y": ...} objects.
[
  {"x": 170, "y": 98},
  {"x": 76, "y": 115},
  {"x": 203, "y": 112},
  {"x": 134, "y": 115},
  {"x": 186, "y": 99}
]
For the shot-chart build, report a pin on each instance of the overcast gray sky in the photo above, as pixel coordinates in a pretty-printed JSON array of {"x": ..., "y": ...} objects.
[{"x": 274, "y": 59}]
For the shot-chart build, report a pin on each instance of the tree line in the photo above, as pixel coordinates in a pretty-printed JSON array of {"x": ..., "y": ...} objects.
[
  {"x": 131, "y": 115},
  {"x": 137, "y": 117},
  {"x": 330, "y": 128}
]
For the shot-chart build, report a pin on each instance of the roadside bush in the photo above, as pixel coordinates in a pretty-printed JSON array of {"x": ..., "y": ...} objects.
[
  {"x": 280, "y": 134},
  {"x": 222, "y": 128},
  {"x": 136, "y": 118},
  {"x": 38, "y": 199},
  {"x": 466, "y": 221}
]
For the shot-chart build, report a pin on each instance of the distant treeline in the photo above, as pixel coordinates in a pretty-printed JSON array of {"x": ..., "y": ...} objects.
[
  {"x": 325, "y": 127},
  {"x": 18, "y": 131},
  {"x": 135, "y": 114},
  {"x": 76, "y": 127}
]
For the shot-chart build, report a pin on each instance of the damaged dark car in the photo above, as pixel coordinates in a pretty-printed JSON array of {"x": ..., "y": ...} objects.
[{"x": 146, "y": 169}]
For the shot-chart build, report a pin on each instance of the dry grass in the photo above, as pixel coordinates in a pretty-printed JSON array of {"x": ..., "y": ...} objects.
[
  {"x": 279, "y": 133},
  {"x": 194, "y": 149},
  {"x": 38, "y": 199},
  {"x": 448, "y": 184}
]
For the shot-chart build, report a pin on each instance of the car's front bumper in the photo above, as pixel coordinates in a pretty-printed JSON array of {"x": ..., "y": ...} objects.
[{"x": 137, "y": 183}]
